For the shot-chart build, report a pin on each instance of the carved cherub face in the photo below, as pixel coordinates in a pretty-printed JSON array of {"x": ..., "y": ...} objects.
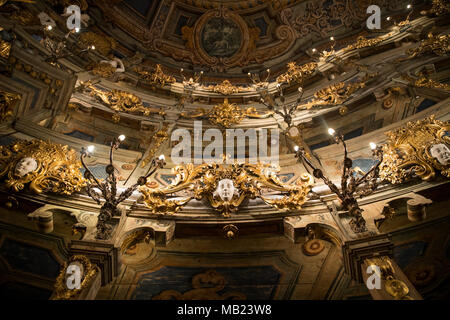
[
  {"x": 441, "y": 152},
  {"x": 225, "y": 189},
  {"x": 25, "y": 166}
]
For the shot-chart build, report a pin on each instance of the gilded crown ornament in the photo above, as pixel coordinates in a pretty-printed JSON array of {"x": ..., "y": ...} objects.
[
  {"x": 157, "y": 77},
  {"x": 421, "y": 148},
  {"x": 296, "y": 73},
  {"x": 42, "y": 166}
]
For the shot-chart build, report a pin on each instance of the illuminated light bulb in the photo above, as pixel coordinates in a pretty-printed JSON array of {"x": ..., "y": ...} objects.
[
  {"x": 49, "y": 27},
  {"x": 268, "y": 70},
  {"x": 181, "y": 69},
  {"x": 201, "y": 72},
  {"x": 314, "y": 50},
  {"x": 331, "y": 131},
  {"x": 300, "y": 89},
  {"x": 332, "y": 38},
  {"x": 296, "y": 148},
  {"x": 90, "y": 148},
  {"x": 121, "y": 137},
  {"x": 93, "y": 47},
  {"x": 388, "y": 18},
  {"x": 249, "y": 74},
  {"x": 373, "y": 145},
  {"x": 162, "y": 157},
  {"x": 408, "y": 6},
  {"x": 77, "y": 29}
]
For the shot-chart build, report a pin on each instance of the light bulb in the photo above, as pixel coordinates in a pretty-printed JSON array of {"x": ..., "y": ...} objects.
[
  {"x": 77, "y": 29},
  {"x": 90, "y": 148},
  {"x": 162, "y": 157},
  {"x": 314, "y": 50},
  {"x": 332, "y": 38},
  {"x": 249, "y": 74},
  {"x": 93, "y": 47},
  {"x": 388, "y": 18},
  {"x": 408, "y": 6},
  {"x": 373, "y": 145},
  {"x": 49, "y": 27},
  {"x": 296, "y": 148},
  {"x": 331, "y": 131},
  {"x": 121, "y": 137},
  {"x": 181, "y": 69}
]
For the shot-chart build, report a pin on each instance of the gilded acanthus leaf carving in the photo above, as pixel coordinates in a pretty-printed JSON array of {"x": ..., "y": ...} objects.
[
  {"x": 226, "y": 88},
  {"x": 157, "y": 77},
  {"x": 437, "y": 44},
  {"x": 44, "y": 166},
  {"x": 8, "y": 102},
  {"x": 227, "y": 186},
  {"x": 296, "y": 73},
  {"x": 119, "y": 100},
  {"x": 418, "y": 149},
  {"x": 335, "y": 94},
  {"x": 226, "y": 114}
]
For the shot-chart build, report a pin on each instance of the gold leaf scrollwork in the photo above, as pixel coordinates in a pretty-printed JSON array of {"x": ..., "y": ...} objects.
[
  {"x": 45, "y": 166},
  {"x": 226, "y": 114},
  {"x": 88, "y": 270},
  {"x": 296, "y": 73},
  {"x": 121, "y": 101},
  {"x": 157, "y": 77},
  {"x": 333, "y": 95},
  {"x": 8, "y": 102},
  {"x": 226, "y": 88},
  {"x": 437, "y": 44},
  {"x": 363, "y": 42},
  {"x": 247, "y": 181},
  {"x": 420, "y": 148}
]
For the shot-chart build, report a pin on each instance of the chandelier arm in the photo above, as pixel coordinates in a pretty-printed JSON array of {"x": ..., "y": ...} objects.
[{"x": 91, "y": 175}]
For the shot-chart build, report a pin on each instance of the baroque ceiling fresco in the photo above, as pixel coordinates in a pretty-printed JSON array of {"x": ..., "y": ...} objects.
[{"x": 118, "y": 154}]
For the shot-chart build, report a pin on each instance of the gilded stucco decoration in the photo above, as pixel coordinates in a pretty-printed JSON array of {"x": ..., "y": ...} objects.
[
  {"x": 5, "y": 47},
  {"x": 88, "y": 272},
  {"x": 226, "y": 88},
  {"x": 205, "y": 286},
  {"x": 296, "y": 73},
  {"x": 103, "y": 44},
  {"x": 394, "y": 287},
  {"x": 226, "y": 114},
  {"x": 334, "y": 94},
  {"x": 8, "y": 101},
  {"x": 420, "y": 148},
  {"x": 227, "y": 186},
  {"x": 362, "y": 42},
  {"x": 437, "y": 44},
  {"x": 156, "y": 77},
  {"x": 120, "y": 101},
  {"x": 44, "y": 166}
]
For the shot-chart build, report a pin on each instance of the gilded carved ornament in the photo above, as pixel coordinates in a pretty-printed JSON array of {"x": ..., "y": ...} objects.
[
  {"x": 226, "y": 187},
  {"x": 394, "y": 287},
  {"x": 103, "y": 44},
  {"x": 333, "y": 95},
  {"x": 420, "y": 148},
  {"x": 119, "y": 100},
  {"x": 296, "y": 73},
  {"x": 8, "y": 102},
  {"x": 44, "y": 166},
  {"x": 437, "y": 44},
  {"x": 226, "y": 88},
  {"x": 157, "y": 77},
  {"x": 226, "y": 114},
  {"x": 88, "y": 272}
]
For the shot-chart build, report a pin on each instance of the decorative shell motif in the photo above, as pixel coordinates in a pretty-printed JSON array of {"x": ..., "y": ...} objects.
[
  {"x": 56, "y": 168},
  {"x": 407, "y": 151}
]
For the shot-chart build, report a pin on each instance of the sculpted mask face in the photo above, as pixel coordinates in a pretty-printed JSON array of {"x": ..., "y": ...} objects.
[
  {"x": 25, "y": 166},
  {"x": 225, "y": 189},
  {"x": 441, "y": 152}
]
